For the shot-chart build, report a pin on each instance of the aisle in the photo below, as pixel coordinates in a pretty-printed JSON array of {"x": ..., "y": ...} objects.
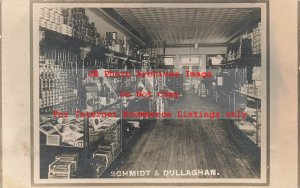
[{"x": 191, "y": 144}]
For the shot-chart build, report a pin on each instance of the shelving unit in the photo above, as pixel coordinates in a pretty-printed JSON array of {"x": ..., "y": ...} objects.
[
  {"x": 240, "y": 89},
  {"x": 66, "y": 57},
  {"x": 256, "y": 120},
  {"x": 253, "y": 60}
]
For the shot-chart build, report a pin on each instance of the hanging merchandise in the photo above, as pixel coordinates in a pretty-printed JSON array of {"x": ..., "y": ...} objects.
[{"x": 246, "y": 48}]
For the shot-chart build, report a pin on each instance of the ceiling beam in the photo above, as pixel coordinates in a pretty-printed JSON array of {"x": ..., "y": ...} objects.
[
  {"x": 244, "y": 29},
  {"x": 193, "y": 45}
]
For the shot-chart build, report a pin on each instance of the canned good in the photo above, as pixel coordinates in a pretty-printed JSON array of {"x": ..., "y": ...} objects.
[
  {"x": 41, "y": 103},
  {"x": 70, "y": 31},
  {"x": 41, "y": 15},
  {"x": 51, "y": 16},
  {"x": 46, "y": 13},
  {"x": 57, "y": 18},
  {"x": 54, "y": 26},
  {"x": 53, "y": 61},
  {"x": 64, "y": 29},
  {"x": 59, "y": 29},
  {"x": 47, "y": 102},
  {"x": 42, "y": 11},
  {"x": 59, "y": 10},
  {"x": 61, "y": 19},
  {"x": 43, "y": 93},
  {"x": 48, "y": 25},
  {"x": 47, "y": 61},
  {"x": 43, "y": 23}
]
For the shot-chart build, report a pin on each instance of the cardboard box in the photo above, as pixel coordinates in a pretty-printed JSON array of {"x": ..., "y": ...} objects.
[
  {"x": 61, "y": 169},
  {"x": 53, "y": 140}
]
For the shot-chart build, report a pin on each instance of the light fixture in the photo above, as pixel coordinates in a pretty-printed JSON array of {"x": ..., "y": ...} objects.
[{"x": 196, "y": 49}]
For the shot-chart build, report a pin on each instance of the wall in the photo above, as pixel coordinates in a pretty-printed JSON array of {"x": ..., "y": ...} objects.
[
  {"x": 203, "y": 51},
  {"x": 104, "y": 26}
]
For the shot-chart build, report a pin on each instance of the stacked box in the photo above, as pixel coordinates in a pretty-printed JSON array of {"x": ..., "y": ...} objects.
[
  {"x": 61, "y": 169},
  {"x": 53, "y": 19},
  {"x": 256, "y": 39},
  {"x": 68, "y": 157},
  {"x": 106, "y": 154}
]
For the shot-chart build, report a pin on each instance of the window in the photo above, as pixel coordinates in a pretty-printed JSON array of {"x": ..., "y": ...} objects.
[
  {"x": 216, "y": 60},
  {"x": 190, "y": 60},
  {"x": 213, "y": 61},
  {"x": 169, "y": 60}
]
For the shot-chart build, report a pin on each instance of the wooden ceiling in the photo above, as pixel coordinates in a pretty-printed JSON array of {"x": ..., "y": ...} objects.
[{"x": 179, "y": 26}]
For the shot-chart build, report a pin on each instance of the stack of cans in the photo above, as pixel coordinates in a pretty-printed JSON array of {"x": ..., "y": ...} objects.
[
  {"x": 256, "y": 39},
  {"x": 53, "y": 19}
]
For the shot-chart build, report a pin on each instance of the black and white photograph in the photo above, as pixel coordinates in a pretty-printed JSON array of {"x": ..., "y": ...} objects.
[
  {"x": 154, "y": 93},
  {"x": 149, "y": 93}
]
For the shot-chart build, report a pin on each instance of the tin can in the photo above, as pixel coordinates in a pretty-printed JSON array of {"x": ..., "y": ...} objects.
[
  {"x": 59, "y": 10},
  {"x": 61, "y": 19},
  {"x": 42, "y": 12},
  {"x": 51, "y": 16},
  {"x": 57, "y": 18},
  {"x": 58, "y": 28},
  {"x": 64, "y": 29},
  {"x": 46, "y": 13},
  {"x": 43, "y": 23},
  {"x": 70, "y": 31},
  {"x": 48, "y": 24}
]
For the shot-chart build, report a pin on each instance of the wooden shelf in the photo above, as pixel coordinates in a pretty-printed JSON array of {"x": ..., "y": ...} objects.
[
  {"x": 251, "y": 95},
  {"x": 253, "y": 60},
  {"x": 53, "y": 38}
]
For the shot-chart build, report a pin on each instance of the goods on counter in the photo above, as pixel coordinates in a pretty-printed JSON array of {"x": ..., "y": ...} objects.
[
  {"x": 97, "y": 165},
  {"x": 69, "y": 133},
  {"x": 251, "y": 112},
  {"x": 246, "y": 127},
  {"x": 47, "y": 128},
  {"x": 68, "y": 157}
]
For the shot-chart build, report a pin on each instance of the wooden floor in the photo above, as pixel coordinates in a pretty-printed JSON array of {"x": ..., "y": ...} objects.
[{"x": 190, "y": 144}]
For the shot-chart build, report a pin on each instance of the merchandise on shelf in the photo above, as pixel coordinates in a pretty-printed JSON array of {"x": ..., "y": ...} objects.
[
  {"x": 256, "y": 39},
  {"x": 58, "y": 79},
  {"x": 249, "y": 44},
  {"x": 70, "y": 22},
  {"x": 55, "y": 19},
  {"x": 246, "y": 127}
]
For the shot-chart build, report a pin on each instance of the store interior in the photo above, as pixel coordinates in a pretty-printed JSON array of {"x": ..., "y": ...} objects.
[{"x": 215, "y": 55}]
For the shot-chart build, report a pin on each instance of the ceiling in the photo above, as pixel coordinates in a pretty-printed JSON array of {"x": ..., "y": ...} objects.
[{"x": 178, "y": 26}]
